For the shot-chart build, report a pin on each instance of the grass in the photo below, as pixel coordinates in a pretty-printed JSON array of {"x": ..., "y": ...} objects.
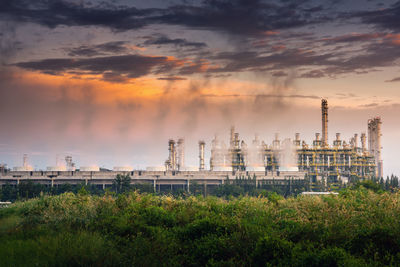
[{"x": 357, "y": 228}]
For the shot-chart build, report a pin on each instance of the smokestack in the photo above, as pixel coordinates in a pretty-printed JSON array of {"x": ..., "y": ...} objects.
[
  {"x": 355, "y": 140},
  {"x": 172, "y": 154},
  {"x": 236, "y": 141},
  {"x": 324, "y": 109},
  {"x": 25, "y": 161},
  {"x": 276, "y": 143},
  {"x": 201, "y": 154},
  {"x": 363, "y": 143},
  {"x": 317, "y": 136},
  {"x": 337, "y": 142},
  {"x": 374, "y": 143},
  {"x": 69, "y": 164},
  {"x": 181, "y": 153},
  {"x": 232, "y": 141},
  {"x": 296, "y": 141}
]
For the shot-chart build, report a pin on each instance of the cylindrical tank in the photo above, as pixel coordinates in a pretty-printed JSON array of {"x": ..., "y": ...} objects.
[
  {"x": 155, "y": 169},
  {"x": 190, "y": 169},
  {"x": 123, "y": 169},
  {"x": 89, "y": 168},
  {"x": 56, "y": 168}
]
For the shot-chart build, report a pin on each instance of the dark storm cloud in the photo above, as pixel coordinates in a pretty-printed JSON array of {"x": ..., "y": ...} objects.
[
  {"x": 57, "y": 12},
  {"x": 131, "y": 66},
  {"x": 385, "y": 18},
  {"x": 375, "y": 55},
  {"x": 250, "y": 17},
  {"x": 120, "y": 68},
  {"x": 100, "y": 49},
  {"x": 161, "y": 39},
  {"x": 355, "y": 37},
  {"x": 254, "y": 61}
]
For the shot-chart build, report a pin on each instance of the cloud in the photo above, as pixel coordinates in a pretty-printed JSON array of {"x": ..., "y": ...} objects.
[
  {"x": 116, "y": 47},
  {"x": 271, "y": 96},
  {"x": 172, "y": 78},
  {"x": 279, "y": 74},
  {"x": 384, "y": 18},
  {"x": 313, "y": 74},
  {"x": 255, "y": 61},
  {"x": 397, "y": 79},
  {"x": 59, "y": 12},
  {"x": 353, "y": 37},
  {"x": 381, "y": 54},
  {"x": 130, "y": 66},
  {"x": 161, "y": 39},
  {"x": 252, "y": 17},
  {"x": 371, "y": 105}
]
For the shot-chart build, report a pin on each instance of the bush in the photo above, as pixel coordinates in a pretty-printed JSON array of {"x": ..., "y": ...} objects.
[{"x": 356, "y": 228}]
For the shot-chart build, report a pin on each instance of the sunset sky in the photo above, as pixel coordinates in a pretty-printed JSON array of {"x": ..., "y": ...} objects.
[{"x": 109, "y": 82}]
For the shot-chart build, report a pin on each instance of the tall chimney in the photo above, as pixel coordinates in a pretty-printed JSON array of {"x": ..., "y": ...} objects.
[
  {"x": 374, "y": 143},
  {"x": 201, "y": 154},
  {"x": 276, "y": 142},
  {"x": 355, "y": 140},
  {"x": 324, "y": 110},
  {"x": 296, "y": 141},
  {"x": 337, "y": 142},
  {"x": 25, "y": 161},
  {"x": 172, "y": 154},
  {"x": 181, "y": 153},
  {"x": 363, "y": 143},
  {"x": 232, "y": 140}
]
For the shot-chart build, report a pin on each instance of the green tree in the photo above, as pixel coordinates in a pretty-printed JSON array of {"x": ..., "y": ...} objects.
[{"x": 122, "y": 183}]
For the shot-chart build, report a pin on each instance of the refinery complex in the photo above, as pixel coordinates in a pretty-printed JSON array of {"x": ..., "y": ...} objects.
[{"x": 282, "y": 160}]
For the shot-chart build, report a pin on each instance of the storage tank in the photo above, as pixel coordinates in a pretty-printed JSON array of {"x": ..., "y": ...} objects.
[
  {"x": 190, "y": 169},
  {"x": 56, "y": 168},
  {"x": 123, "y": 169},
  {"x": 89, "y": 168},
  {"x": 155, "y": 169},
  {"x": 255, "y": 169},
  {"x": 222, "y": 169},
  {"x": 23, "y": 169}
]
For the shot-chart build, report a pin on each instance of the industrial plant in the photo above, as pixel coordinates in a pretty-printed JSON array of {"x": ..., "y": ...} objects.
[{"x": 281, "y": 161}]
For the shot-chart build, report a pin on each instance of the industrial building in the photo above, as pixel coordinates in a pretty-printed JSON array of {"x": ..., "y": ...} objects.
[
  {"x": 340, "y": 161},
  {"x": 280, "y": 162}
]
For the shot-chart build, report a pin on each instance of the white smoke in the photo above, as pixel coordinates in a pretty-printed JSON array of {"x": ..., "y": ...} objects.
[{"x": 288, "y": 156}]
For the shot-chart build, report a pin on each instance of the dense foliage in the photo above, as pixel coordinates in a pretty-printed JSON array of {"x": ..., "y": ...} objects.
[
  {"x": 357, "y": 228},
  {"x": 240, "y": 186}
]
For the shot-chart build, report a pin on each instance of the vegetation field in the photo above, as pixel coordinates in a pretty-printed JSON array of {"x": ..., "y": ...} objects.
[{"x": 359, "y": 227}]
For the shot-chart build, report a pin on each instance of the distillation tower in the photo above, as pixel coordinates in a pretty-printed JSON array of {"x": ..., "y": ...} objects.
[
  {"x": 374, "y": 143},
  {"x": 341, "y": 160}
]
